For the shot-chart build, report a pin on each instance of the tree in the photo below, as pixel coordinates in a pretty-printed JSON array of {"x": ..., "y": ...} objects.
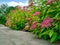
[
  {"x": 4, "y": 10},
  {"x": 9, "y": 9}
]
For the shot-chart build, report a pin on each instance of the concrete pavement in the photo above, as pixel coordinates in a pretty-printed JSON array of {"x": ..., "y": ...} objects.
[{"x": 12, "y": 37}]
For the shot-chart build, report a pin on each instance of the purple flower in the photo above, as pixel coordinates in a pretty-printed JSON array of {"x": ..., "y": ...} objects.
[{"x": 46, "y": 22}]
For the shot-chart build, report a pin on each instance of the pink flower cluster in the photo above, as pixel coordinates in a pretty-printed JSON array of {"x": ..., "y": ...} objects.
[
  {"x": 46, "y": 22},
  {"x": 26, "y": 27},
  {"x": 50, "y": 1},
  {"x": 30, "y": 19},
  {"x": 36, "y": 13},
  {"x": 34, "y": 25},
  {"x": 27, "y": 18},
  {"x": 8, "y": 22}
]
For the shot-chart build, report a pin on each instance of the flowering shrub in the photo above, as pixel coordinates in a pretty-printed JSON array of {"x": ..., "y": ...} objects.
[
  {"x": 16, "y": 19},
  {"x": 43, "y": 20},
  {"x": 46, "y": 18}
]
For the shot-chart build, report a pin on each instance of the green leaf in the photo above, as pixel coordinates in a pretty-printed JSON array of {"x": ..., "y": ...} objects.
[
  {"x": 46, "y": 32},
  {"x": 54, "y": 38},
  {"x": 51, "y": 33},
  {"x": 41, "y": 30},
  {"x": 45, "y": 37},
  {"x": 59, "y": 37}
]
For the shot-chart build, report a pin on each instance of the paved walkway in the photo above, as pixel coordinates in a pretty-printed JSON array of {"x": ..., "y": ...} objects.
[{"x": 11, "y": 37}]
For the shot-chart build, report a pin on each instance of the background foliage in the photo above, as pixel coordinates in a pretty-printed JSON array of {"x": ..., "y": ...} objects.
[{"x": 4, "y": 10}]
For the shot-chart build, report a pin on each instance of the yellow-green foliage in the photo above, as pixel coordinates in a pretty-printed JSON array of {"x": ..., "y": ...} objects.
[{"x": 16, "y": 19}]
